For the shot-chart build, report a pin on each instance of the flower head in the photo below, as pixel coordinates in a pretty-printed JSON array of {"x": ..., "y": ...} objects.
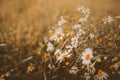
[
  {"x": 86, "y": 56},
  {"x": 109, "y": 19},
  {"x": 73, "y": 70},
  {"x": 58, "y": 35},
  {"x": 50, "y": 47},
  {"x": 61, "y": 21},
  {"x": 74, "y": 42},
  {"x": 101, "y": 75}
]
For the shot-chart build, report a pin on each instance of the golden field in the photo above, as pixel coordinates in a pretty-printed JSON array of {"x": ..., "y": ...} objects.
[{"x": 29, "y": 32}]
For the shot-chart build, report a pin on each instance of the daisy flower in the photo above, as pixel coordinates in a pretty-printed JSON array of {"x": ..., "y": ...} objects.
[
  {"x": 86, "y": 11},
  {"x": 101, "y": 75},
  {"x": 69, "y": 48},
  {"x": 117, "y": 65},
  {"x": 91, "y": 35},
  {"x": 91, "y": 68},
  {"x": 61, "y": 21},
  {"x": 73, "y": 70},
  {"x": 77, "y": 26},
  {"x": 58, "y": 54},
  {"x": 62, "y": 56},
  {"x": 109, "y": 19},
  {"x": 58, "y": 35},
  {"x": 86, "y": 56},
  {"x": 66, "y": 54},
  {"x": 87, "y": 76},
  {"x": 83, "y": 19},
  {"x": 80, "y": 32},
  {"x": 74, "y": 42},
  {"x": 50, "y": 46}
]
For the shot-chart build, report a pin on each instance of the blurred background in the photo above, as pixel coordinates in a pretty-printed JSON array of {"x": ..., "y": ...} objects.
[{"x": 26, "y": 18}]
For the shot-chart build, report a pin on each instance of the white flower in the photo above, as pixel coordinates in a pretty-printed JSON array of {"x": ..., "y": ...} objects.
[
  {"x": 83, "y": 10},
  {"x": 69, "y": 48},
  {"x": 73, "y": 70},
  {"x": 101, "y": 75},
  {"x": 77, "y": 26},
  {"x": 80, "y": 32},
  {"x": 86, "y": 56},
  {"x": 117, "y": 65},
  {"x": 109, "y": 19},
  {"x": 62, "y": 21},
  {"x": 62, "y": 56},
  {"x": 87, "y": 76},
  {"x": 91, "y": 35},
  {"x": 91, "y": 68},
  {"x": 58, "y": 35},
  {"x": 74, "y": 42},
  {"x": 50, "y": 46},
  {"x": 83, "y": 19},
  {"x": 58, "y": 54},
  {"x": 86, "y": 11}
]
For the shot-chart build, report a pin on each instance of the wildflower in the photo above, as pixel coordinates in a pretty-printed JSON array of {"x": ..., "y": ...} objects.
[
  {"x": 77, "y": 26},
  {"x": 91, "y": 68},
  {"x": 116, "y": 65},
  {"x": 83, "y": 19},
  {"x": 62, "y": 21},
  {"x": 83, "y": 10},
  {"x": 74, "y": 42},
  {"x": 91, "y": 36},
  {"x": 58, "y": 54},
  {"x": 73, "y": 70},
  {"x": 62, "y": 56},
  {"x": 87, "y": 76},
  {"x": 69, "y": 48},
  {"x": 109, "y": 19},
  {"x": 66, "y": 54},
  {"x": 30, "y": 68},
  {"x": 80, "y": 32},
  {"x": 58, "y": 35},
  {"x": 86, "y": 56},
  {"x": 86, "y": 12},
  {"x": 50, "y": 46},
  {"x": 101, "y": 75}
]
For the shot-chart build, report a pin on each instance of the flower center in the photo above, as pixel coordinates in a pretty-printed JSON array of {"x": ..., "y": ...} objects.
[
  {"x": 58, "y": 35},
  {"x": 87, "y": 56},
  {"x": 75, "y": 40},
  {"x": 100, "y": 73},
  {"x": 58, "y": 54},
  {"x": 64, "y": 56}
]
